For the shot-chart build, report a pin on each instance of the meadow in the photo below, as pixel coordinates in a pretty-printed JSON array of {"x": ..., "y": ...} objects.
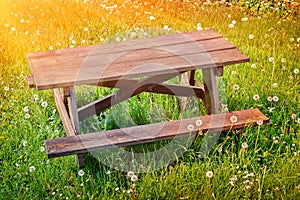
[{"x": 268, "y": 167}]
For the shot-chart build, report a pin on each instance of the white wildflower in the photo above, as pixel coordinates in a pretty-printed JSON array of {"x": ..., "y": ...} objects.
[
  {"x": 81, "y": 172},
  {"x": 233, "y": 118},
  {"x": 244, "y": 145},
  {"x": 31, "y": 168},
  {"x": 209, "y": 174}
]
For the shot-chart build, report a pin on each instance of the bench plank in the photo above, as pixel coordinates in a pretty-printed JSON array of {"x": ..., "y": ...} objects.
[{"x": 150, "y": 133}]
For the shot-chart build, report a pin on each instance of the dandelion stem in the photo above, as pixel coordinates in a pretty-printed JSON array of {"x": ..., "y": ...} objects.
[{"x": 256, "y": 138}]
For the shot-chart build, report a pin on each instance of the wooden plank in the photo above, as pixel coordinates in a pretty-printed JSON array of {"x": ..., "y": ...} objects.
[
  {"x": 93, "y": 72},
  {"x": 130, "y": 45},
  {"x": 62, "y": 110},
  {"x": 30, "y": 82},
  {"x": 75, "y": 121},
  {"x": 140, "y": 134},
  {"x": 100, "y": 54},
  {"x": 211, "y": 102}
]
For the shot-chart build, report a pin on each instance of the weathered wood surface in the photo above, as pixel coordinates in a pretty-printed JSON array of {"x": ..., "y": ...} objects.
[
  {"x": 150, "y": 133},
  {"x": 131, "y": 59},
  {"x": 30, "y": 82},
  {"x": 63, "y": 113}
]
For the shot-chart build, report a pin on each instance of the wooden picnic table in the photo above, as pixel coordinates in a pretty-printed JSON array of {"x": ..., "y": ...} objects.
[{"x": 135, "y": 66}]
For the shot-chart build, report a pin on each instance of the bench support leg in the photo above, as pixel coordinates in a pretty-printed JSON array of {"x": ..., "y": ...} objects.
[
  {"x": 75, "y": 120},
  {"x": 211, "y": 91}
]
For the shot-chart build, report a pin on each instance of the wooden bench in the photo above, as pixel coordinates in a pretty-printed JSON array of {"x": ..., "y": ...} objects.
[{"x": 136, "y": 66}]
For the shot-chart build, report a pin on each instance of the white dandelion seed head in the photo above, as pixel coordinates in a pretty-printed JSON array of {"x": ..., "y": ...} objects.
[
  {"x": 35, "y": 97},
  {"x": 133, "y": 178},
  {"x": 298, "y": 120},
  {"x": 199, "y": 27},
  {"x": 293, "y": 116},
  {"x": 244, "y": 145},
  {"x": 292, "y": 40},
  {"x": 283, "y": 60},
  {"x": 233, "y": 22},
  {"x": 271, "y": 109},
  {"x": 118, "y": 39},
  {"x": 166, "y": 27},
  {"x": 298, "y": 39},
  {"x": 270, "y": 98},
  {"x": 296, "y": 71},
  {"x": 81, "y": 172},
  {"x": 253, "y": 66},
  {"x": 31, "y": 168},
  {"x": 233, "y": 118},
  {"x": 209, "y": 174},
  {"x": 275, "y": 98},
  {"x": 6, "y": 88},
  {"x": 26, "y": 109},
  {"x": 274, "y": 85},
  {"x": 260, "y": 122},
  {"x": 276, "y": 141},
  {"x": 51, "y": 47},
  {"x": 229, "y": 16},
  {"x": 251, "y": 36},
  {"x": 236, "y": 87},
  {"x": 117, "y": 189},
  {"x": 13, "y": 29},
  {"x": 27, "y": 116},
  {"x": 83, "y": 41},
  {"x": 44, "y": 104},
  {"x": 244, "y": 19},
  {"x": 25, "y": 143},
  {"x": 190, "y": 127},
  {"x": 130, "y": 173},
  {"x": 152, "y": 17},
  {"x": 271, "y": 59},
  {"x": 42, "y": 149},
  {"x": 199, "y": 122},
  {"x": 86, "y": 29},
  {"x": 256, "y": 97},
  {"x": 230, "y": 25}
]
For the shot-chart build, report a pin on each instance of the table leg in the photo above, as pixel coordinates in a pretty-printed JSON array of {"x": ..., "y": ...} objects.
[
  {"x": 212, "y": 102},
  {"x": 75, "y": 120}
]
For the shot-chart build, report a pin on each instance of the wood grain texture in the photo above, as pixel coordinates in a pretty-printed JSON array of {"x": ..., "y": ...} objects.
[
  {"x": 131, "y": 59},
  {"x": 30, "y": 81},
  {"x": 62, "y": 110},
  {"x": 150, "y": 133}
]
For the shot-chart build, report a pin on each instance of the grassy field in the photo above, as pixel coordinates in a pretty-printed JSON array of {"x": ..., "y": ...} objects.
[{"x": 269, "y": 168}]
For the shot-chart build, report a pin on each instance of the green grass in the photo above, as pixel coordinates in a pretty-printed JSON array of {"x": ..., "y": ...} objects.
[{"x": 267, "y": 169}]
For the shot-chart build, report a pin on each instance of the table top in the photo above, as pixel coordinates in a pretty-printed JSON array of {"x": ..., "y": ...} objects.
[{"x": 173, "y": 53}]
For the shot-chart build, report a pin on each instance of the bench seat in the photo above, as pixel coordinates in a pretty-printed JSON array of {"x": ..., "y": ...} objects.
[{"x": 142, "y": 134}]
